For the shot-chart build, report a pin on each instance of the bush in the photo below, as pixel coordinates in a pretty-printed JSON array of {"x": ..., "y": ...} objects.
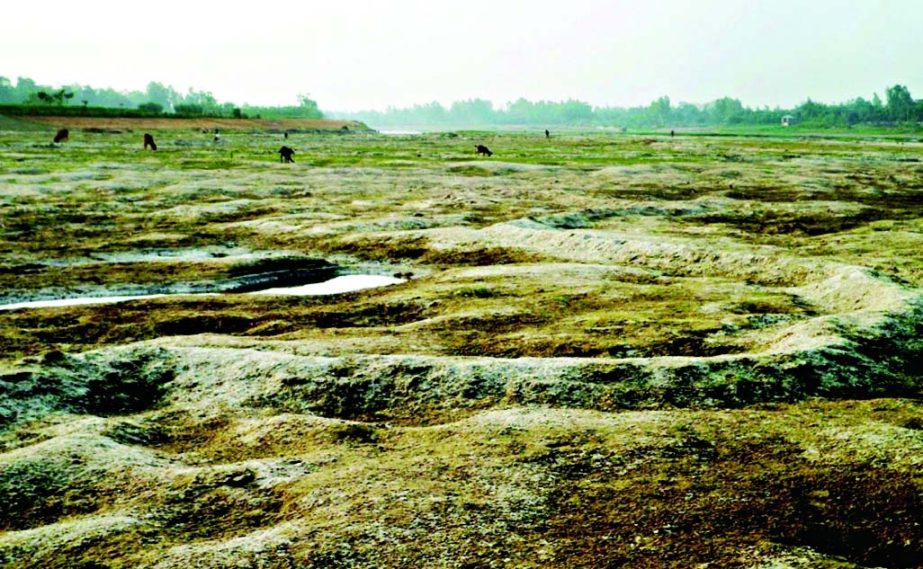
[
  {"x": 190, "y": 110},
  {"x": 151, "y": 108}
]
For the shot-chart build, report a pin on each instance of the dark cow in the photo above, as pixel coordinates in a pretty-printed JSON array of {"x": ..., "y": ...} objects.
[
  {"x": 62, "y": 135},
  {"x": 285, "y": 154},
  {"x": 149, "y": 141},
  {"x": 481, "y": 149}
]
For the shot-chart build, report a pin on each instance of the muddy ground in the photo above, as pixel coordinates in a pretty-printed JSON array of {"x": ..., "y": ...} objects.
[{"x": 610, "y": 350}]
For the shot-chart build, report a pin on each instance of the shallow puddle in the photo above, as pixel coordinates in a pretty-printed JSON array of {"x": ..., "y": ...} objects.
[
  {"x": 337, "y": 285},
  {"x": 76, "y": 301}
]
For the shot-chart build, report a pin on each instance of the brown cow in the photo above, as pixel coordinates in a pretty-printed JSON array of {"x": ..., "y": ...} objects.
[
  {"x": 481, "y": 149},
  {"x": 149, "y": 141},
  {"x": 285, "y": 154},
  {"x": 62, "y": 135}
]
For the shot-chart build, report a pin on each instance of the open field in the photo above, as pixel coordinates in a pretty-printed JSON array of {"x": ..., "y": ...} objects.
[{"x": 611, "y": 351}]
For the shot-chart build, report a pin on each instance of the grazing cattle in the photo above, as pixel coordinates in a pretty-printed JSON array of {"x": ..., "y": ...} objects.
[
  {"x": 285, "y": 154},
  {"x": 149, "y": 141},
  {"x": 62, "y": 135},
  {"x": 481, "y": 149}
]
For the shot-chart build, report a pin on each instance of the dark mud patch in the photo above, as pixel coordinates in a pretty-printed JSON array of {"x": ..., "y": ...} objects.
[{"x": 279, "y": 272}]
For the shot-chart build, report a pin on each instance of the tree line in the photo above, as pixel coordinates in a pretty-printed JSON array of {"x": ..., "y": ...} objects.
[
  {"x": 156, "y": 99},
  {"x": 899, "y": 107}
]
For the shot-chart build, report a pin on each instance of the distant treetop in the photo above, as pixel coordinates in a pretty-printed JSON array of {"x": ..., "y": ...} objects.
[{"x": 155, "y": 99}]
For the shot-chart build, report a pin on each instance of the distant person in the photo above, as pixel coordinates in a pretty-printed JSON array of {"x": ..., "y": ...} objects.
[
  {"x": 285, "y": 154},
  {"x": 672, "y": 134},
  {"x": 217, "y": 137},
  {"x": 62, "y": 135},
  {"x": 149, "y": 141},
  {"x": 547, "y": 134},
  {"x": 285, "y": 135},
  {"x": 481, "y": 149}
]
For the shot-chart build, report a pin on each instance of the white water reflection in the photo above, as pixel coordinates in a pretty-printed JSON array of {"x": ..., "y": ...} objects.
[
  {"x": 76, "y": 301},
  {"x": 338, "y": 285}
]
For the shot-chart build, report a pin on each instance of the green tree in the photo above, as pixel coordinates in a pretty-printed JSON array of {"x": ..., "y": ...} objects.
[
  {"x": 163, "y": 95},
  {"x": 7, "y": 91},
  {"x": 522, "y": 111},
  {"x": 725, "y": 111},
  {"x": 900, "y": 104},
  {"x": 25, "y": 87},
  {"x": 659, "y": 111},
  {"x": 309, "y": 107},
  {"x": 576, "y": 112},
  {"x": 472, "y": 112}
]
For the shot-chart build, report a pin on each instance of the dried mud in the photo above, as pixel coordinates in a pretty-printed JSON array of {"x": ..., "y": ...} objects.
[{"x": 609, "y": 351}]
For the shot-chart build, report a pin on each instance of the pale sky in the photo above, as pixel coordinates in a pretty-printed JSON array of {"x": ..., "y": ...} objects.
[{"x": 367, "y": 54}]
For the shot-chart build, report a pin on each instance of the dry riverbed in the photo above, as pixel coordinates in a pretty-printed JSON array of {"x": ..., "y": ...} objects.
[{"x": 597, "y": 351}]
